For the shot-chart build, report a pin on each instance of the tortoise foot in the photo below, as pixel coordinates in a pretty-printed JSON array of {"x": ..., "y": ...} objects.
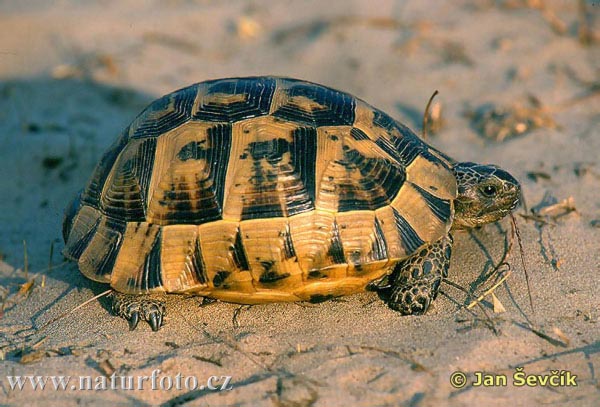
[
  {"x": 415, "y": 282},
  {"x": 134, "y": 308},
  {"x": 412, "y": 299}
]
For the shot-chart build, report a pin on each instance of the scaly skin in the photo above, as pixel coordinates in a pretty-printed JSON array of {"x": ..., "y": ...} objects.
[{"x": 414, "y": 283}]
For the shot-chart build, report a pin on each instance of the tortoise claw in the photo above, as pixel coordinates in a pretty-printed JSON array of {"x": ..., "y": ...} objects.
[
  {"x": 207, "y": 301},
  {"x": 153, "y": 313},
  {"x": 133, "y": 321},
  {"x": 155, "y": 321},
  {"x": 134, "y": 308}
]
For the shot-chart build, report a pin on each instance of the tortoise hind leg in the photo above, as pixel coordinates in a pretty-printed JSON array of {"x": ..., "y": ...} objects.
[
  {"x": 134, "y": 308},
  {"x": 414, "y": 283}
]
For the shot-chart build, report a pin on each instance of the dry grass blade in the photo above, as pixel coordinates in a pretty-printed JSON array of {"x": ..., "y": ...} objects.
[
  {"x": 414, "y": 365},
  {"x": 10, "y": 299},
  {"x": 558, "y": 26},
  {"x": 426, "y": 114},
  {"x": 489, "y": 319},
  {"x": 26, "y": 287},
  {"x": 231, "y": 344},
  {"x": 561, "y": 335},
  {"x": 61, "y": 316},
  {"x": 522, "y": 253},
  {"x": 236, "y": 314},
  {"x": 505, "y": 255},
  {"x": 537, "y": 218},
  {"x": 247, "y": 27},
  {"x": 106, "y": 367},
  {"x": 544, "y": 335},
  {"x": 549, "y": 208},
  {"x": 559, "y": 209},
  {"x": 498, "y": 307},
  {"x": 209, "y": 360},
  {"x": 49, "y": 264},
  {"x": 172, "y": 42},
  {"x": 32, "y": 357},
  {"x": 489, "y": 290},
  {"x": 25, "y": 260}
]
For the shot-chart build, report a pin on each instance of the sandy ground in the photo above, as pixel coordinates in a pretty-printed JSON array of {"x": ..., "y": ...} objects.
[{"x": 73, "y": 74}]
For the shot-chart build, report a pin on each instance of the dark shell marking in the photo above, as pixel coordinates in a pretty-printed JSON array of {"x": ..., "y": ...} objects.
[{"x": 259, "y": 189}]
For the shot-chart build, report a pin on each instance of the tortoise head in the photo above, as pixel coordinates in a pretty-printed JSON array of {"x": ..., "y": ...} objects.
[{"x": 486, "y": 194}]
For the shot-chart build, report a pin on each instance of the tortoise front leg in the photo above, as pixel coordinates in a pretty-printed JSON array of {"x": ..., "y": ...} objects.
[
  {"x": 134, "y": 308},
  {"x": 415, "y": 281}
]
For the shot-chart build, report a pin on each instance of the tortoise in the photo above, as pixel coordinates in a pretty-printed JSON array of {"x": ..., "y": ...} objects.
[{"x": 266, "y": 189}]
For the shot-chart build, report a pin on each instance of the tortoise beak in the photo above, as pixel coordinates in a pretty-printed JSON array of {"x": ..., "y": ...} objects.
[{"x": 512, "y": 189}]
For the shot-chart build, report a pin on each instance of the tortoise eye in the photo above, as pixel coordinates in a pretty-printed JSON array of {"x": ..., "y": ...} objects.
[{"x": 489, "y": 190}]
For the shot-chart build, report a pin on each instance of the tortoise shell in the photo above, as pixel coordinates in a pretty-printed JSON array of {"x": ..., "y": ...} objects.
[{"x": 258, "y": 189}]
